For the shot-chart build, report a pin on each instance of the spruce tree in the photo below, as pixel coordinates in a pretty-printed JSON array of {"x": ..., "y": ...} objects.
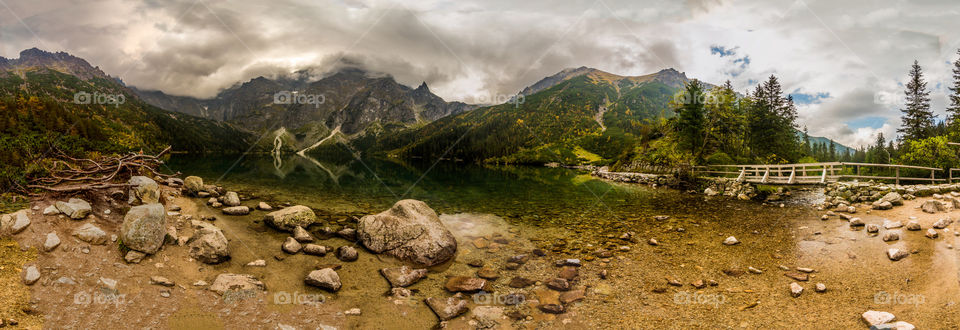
[
  {"x": 954, "y": 109},
  {"x": 690, "y": 117},
  {"x": 917, "y": 119}
]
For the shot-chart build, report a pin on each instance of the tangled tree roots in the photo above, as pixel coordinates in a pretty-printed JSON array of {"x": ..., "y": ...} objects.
[{"x": 68, "y": 174}]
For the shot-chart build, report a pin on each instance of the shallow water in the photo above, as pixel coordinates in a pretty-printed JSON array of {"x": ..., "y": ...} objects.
[{"x": 570, "y": 214}]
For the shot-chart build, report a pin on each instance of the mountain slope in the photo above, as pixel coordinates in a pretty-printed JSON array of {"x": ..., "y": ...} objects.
[
  {"x": 81, "y": 109},
  {"x": 350, "y": 99},
  {"x": 579, "y": 115}
]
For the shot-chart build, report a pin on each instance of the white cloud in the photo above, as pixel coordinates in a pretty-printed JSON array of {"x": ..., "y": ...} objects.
[{"x": 854, "y": 50}]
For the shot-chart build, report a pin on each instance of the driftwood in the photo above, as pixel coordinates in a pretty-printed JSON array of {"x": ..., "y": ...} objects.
[{"x": 68, "y": 174}]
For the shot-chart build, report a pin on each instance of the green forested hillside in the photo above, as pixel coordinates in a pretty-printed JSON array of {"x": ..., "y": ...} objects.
[{"x": 43, "y": 110}]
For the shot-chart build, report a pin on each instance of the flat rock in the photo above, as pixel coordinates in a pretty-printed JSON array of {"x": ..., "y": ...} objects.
[
  {"x": 447, "y": 308},
  {"x": 932, "y": 206},
  {"x": 572, "y": 296},
  {"x": 257, "y": 263},
  {"x": 797, "y": 276},
  {"x": 264, "y": 207},
  {"x": 325, "y": 278},
  {"x": 892, "y": 224},
  {"x": 74, "y": 208},
  {"x": 52, "y": 242},
  {"x": 568, "y": 273},
  {"x": 876, "y": 317},
  {"x": 931, "y": 233},
  {"x": 237, "y": 282},
  {"x": 899, "y": 325},
  {"x": 51, "y": 210},
  {"x": 465, "y": 284},
  {"x": 552, "y": 308},
  {"x": 558, "y": 284},
  {"x": 91, "y": 234},
  {"x": 403, "y": 276},
  {"x": 488, "y": 273},
  {"x": 520, "y": 282},
  {"x": 162, "y": 281},
  {"x": 134, "y": 257},
  {"x": 15, "y": 222}
]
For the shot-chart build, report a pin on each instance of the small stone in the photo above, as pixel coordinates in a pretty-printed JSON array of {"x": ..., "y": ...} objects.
[
  {"x": 568, "y": 273},
  {"x": 754, "y": 270},
  {"x": 301, "y": 235},
  {"x": 291, "y": 246},
  {"x": 403, "y": 276},
  {"x": 699, "y": 284},
  {"x": 875, "y": 318},
  {"x": 572, "y": 296},
  {"x": 872, "y": 228},
  {"x": 264, "y": 207},
  {"x": 352, "y": 311},
  {"x": 447, "y": 308},
  {"x": 552, "y": 308},
  {"x": 162, "y": 281},
  {"x": 52, "y": 242},
  {"x": 932, "y": 234},
  {"x": 653, "y": 241},
  {"x": 31, "y": 275},
  {"x": 797, "y": 276},
  {"x": 896, "y": 254},
  {"x": 731, "y": 241},
  {"x": 488, "y": 273},
  {"x": 520, "y": 282},
  {"x": 892, "y": 224},
  {"x": 257, "y": 263},
  {"x": 674, "y": 282},
  {"x": 942, "y": 223},
  {"x": 820, "y": 288},
  {"x": 236, "y": 210},
  {"x": 558, "y": 284},
  {"x": 314, "y": 250},
  {"x": 465, "y": 284},
  {"x": 913, "y": 225},
  {"x": 134, "y": 257},
  {"x": 856, "y": 222},
  {"x": 890, "y": 236},
  {"x": 347, "y": 253},
  {"x": 805, "y": 270},
  {"x": 795, "y": 289},
  {"x": 475, "y": 263}
]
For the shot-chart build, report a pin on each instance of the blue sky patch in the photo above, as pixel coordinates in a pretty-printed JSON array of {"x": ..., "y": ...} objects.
[
  {"x": 872, "y": 122},
  {"x": 809, "y": 98}
]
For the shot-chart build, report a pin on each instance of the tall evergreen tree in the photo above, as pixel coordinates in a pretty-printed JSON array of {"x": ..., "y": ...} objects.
[
  {"x": 690, "y": 117},
  {"x": 954, "y": 109},
  {"x": 917, "y": 117},
  {"x": 772, "y": 128}
]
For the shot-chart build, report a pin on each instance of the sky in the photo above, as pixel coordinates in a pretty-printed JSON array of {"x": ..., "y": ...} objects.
[{"x": 845, "y": 62}]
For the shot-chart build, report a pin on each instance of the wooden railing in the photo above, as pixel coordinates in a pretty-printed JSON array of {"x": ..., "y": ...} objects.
[{"x": 818, "y": 173}]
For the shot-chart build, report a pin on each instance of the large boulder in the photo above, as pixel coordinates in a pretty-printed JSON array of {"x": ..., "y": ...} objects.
[
  {"x": 193, "y": 185},
  {"x": 287, "y": 219},
  {"x": 143, "y": 191},
  {"x": 208, "y": 244},
  {"x": 236, "y": 282},
  {"x": 75, "y": 208},
  {"x": 143, "y": 228},
  {"x": 932, "y": 206},
  {"x": 410, "y": 231}
]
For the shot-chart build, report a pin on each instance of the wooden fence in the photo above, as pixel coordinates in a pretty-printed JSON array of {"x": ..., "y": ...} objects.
[{"x": 821, "y": 173}]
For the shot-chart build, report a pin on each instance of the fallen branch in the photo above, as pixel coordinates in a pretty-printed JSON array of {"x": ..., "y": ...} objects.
[{"x": 69, "y": 174}]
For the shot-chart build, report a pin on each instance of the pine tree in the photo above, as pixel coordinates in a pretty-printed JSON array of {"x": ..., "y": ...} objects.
[
  {"x": 917, "y": 117},
  {"x": 690, "y": 117},
  {"x": 954, "y": 109}
]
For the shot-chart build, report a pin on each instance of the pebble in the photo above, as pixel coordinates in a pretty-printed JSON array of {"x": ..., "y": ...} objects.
[
  {"x": 754, "y": 270},
  {"x": 731, "y": 241},
  {"x": 795, "y": 289},
  {"x": 821, "y": 288}
]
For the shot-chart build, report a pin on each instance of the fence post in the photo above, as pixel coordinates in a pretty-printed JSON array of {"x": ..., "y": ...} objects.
[
  {"x": 823, "y": 177},
  {"x": 898, "y": 176},
  {"x": 766, "y": 174},
  {"x": 932, "y": 177}
]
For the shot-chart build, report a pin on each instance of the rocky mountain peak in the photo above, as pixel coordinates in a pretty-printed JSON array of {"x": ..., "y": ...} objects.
[{"x": 35, "y": 58}]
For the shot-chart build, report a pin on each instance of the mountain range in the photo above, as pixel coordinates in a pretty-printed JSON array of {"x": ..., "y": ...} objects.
[{"x": 578, "y": 115}]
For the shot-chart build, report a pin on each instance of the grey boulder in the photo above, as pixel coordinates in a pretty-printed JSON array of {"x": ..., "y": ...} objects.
[
  {"x": 410, "y": 231},
  {"x": 143, "y": 228}
]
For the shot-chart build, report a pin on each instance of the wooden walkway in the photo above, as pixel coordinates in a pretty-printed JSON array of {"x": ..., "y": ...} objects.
[{"x": 822, "y": 173}]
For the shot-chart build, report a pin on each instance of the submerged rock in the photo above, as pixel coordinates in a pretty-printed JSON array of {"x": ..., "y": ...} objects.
[
  {"x": 236, "y": 210},
  {"x": 291, "y": 246},
  {"x": 932, "y": 233},
  {"x": 410, "y": 231},
  {"x": 873, "y": 228},
  {"x": 932, "y": 206},
  {"x": 887, "y": 224},
  {"x": 465, "y": 284},
  {"x": 447, "y": 308},
  {"x": 890, "y": 236},
  {"x": 403, "y": 276},
  {"x": 325, "y": 278},
  {"x": 347, "y": 253},
  {"x": 289, "y": 218},
  {"x": 913, "y": 225},
  {"x": 315, "y": 250},
  {"x": 143, "y": 228},
  {"x": 264, "y": 207},
  {"x": 896, "y": 254}
]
